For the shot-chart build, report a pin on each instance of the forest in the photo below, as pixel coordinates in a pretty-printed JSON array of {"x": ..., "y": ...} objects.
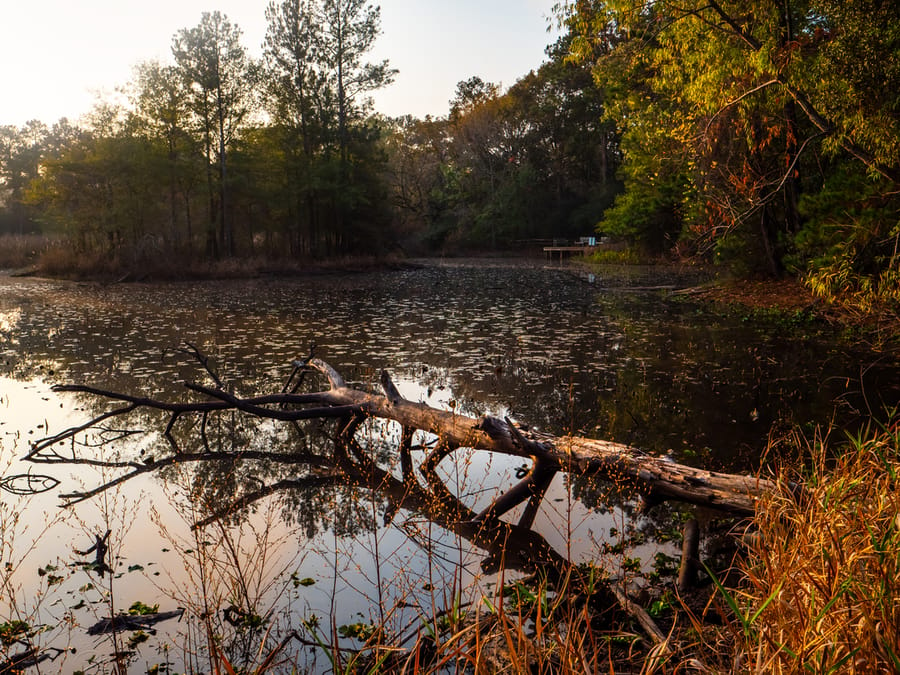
[
  {"x": 760, "y": 139},
  {"x": 763, "y": 137}
]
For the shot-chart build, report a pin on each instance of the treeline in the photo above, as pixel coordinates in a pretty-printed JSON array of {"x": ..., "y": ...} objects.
[
  {"x": 505, "y": 168},
  {"x": 763, "y": 134},
  {"x": 760, "y": 135},
  {"x": 216, "y": 155}
]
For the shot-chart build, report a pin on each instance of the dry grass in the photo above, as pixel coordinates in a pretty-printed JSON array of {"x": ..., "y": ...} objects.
[
  {"x": 21, "y": 250},
  {"x": 64, "y": 261},
  {"x": 528, "y": 627},
  {"x": 818, "y": 592},
  {"x": 822, "y": 587}
]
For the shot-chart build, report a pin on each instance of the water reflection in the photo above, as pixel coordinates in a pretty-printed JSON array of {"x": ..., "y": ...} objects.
[
  {"x": 539, "y": 345},
  {"x": 338, "y": 477},
  {"x": 550, "y": 348}
]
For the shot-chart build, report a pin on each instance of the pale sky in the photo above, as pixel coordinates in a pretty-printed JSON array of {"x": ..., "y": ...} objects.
[{"x": 56, "y": 55}]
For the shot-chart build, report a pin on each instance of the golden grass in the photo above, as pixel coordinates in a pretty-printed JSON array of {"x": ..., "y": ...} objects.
[
  {"x": 822, "y": 587},
  {"x": 62, "y": 261},
  {"x": 818, "y": 591},
  {"x": 21, "y": 250}
]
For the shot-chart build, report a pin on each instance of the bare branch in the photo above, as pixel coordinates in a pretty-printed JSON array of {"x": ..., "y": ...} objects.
[
  {"x": 334, "y": 378},
  {"x": 251, "y": 406},
  {"x": 28, "y": 484},
  {"x": 152, "y": 464},
  {"x": 406, "y": 464},
  {"x": 736, "y": 29},
  {"x": 650, "y": 476},
  {"x": 191, "y": 350},
  {"x": 389, "y": 388},
  {"x": 731, "y": 104},
  {"x": 301, "y": 367},
  {"x": 46, "y": 443}
]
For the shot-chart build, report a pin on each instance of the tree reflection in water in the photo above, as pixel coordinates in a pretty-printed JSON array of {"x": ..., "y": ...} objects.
[{"x": 333, "y": 468}]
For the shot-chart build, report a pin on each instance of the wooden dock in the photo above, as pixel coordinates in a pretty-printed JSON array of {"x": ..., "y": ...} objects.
[{"x": 566, "y": 251}]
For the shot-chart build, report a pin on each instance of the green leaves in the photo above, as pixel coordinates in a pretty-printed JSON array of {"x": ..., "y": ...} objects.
[
  {"x": 138, "y": 608},
  {"x": 12, "y": 631},
  {"x": 730, "y": 111}
]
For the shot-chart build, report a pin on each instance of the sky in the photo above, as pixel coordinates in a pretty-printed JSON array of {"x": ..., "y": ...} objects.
[{"x": 58, "y": 56}]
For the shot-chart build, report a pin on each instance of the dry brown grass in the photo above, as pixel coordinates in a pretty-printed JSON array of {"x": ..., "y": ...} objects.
[
  {"x": 21, "y": 250},
  {"x": 822, "y": 590},
  {"x": 818, "y": 592},
  {"x": 527, "y": 627},
  {"x": 64, "y": 261}
]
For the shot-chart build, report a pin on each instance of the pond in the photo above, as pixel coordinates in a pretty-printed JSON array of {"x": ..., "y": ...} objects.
[{"x": 613, "y": 357}]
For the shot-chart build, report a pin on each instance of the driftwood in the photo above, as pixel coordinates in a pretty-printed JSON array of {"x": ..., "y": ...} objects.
[
  {"x": 655, "y": 479},
  {"x": 512, "y": 545},
  {"x": 99, "y": 549},
  {"x": 31, "y": 656},
  {"x": 123, "y": 622}
]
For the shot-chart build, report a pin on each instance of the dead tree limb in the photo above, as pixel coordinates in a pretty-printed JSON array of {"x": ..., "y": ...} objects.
[{"x": 654, "y": 478}]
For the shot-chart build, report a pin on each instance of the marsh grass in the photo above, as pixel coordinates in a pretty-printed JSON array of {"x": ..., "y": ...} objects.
[
  {"x": 153, "y": 263},
  {"x": 26, "y": 624},
  {"x": 22, "y": 250},
  {"x": 817, "y": 591},
  {"x": 821, "y": 584}
]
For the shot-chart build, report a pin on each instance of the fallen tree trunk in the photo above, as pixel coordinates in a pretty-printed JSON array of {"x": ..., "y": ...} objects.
[
  {"x": 346, "y": 460},
  {"x": 655, "y": 479}
]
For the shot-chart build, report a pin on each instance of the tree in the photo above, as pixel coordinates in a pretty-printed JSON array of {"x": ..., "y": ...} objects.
[
  {"x": 102, "y": 187},
  {"x": 222, "y": 79},
  {"x": 314, "y": 54},
  {"x": 729, "y": 109},
  {"x": 349, "y": 30},
  {"x": 295, "y": 78},
  {"x": 21, "y": 152},
  {"x": 161, "y": 113},
  {"x": 536, "y": 161},
  {"x": 298, "y": 104},
  {"x": 317, "y": 77}
]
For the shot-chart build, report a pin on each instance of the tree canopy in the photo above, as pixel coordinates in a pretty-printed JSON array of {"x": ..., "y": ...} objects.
[
  {"x": 761, "y": 136},
  {"x": 763, "y": 133}
]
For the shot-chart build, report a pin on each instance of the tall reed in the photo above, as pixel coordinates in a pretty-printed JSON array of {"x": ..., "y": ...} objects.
[{"x": 822, "y": 589}]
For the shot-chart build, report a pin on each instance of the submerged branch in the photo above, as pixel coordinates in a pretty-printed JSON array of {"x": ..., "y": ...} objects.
[
  {"x": 654, "y": 478},
  {"x": 305, "y": 483}
]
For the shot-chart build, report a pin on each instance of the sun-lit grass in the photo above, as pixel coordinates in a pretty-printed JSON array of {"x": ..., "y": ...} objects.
[
  {"x": 21, "y": 250},
  {"x": 822, "y": 580},
  {"x": 818, "y": 590},
  {"x": 58, "y": 260}
]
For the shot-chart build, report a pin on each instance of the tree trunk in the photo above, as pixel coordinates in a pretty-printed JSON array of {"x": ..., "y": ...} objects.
[{"x": 654, "y": 479}]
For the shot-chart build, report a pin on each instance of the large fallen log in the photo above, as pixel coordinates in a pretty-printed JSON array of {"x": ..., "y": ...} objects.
[
  {"x": 345, "y": 460},
  {"x": 655, "y": 479}
]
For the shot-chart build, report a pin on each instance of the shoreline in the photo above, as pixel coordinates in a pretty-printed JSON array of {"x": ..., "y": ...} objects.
[{"x": 788, "y": 297}]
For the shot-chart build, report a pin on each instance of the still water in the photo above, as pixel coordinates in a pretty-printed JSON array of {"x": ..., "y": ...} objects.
[{"x": 610, "y": 358}]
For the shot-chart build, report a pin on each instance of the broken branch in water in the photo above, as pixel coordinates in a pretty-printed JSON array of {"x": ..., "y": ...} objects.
[
  {"x": 195, "y": 431},
  {"x": 351, "y": 461},
  {"x": 654, "y": 478}
]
